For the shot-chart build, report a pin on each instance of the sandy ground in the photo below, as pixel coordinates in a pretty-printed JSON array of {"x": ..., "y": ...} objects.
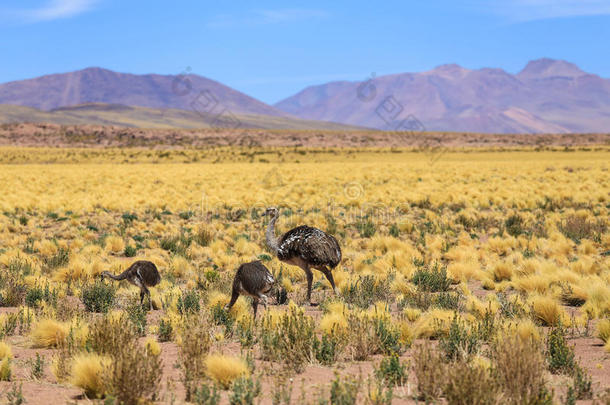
[
  {"x": 111, "y": 136},
  {"x": 589, "y": 351}
]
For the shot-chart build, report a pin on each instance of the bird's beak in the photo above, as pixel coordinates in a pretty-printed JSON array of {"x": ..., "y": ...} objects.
[{"x": 264, "y": 214}]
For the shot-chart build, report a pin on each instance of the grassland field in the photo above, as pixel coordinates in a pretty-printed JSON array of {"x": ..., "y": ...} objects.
[{"x": 469, "y": 275}]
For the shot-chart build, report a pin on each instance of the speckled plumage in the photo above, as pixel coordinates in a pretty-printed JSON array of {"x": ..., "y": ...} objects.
[
  {"x": 312, "y": 245},
  {"x": 306, "y": 247}
]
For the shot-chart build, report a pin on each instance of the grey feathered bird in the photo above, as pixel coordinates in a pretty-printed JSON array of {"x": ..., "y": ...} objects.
[
  {"x": 255, "y": 280},
  {"x": 142, "y": 274},
  {"x": 306, "y": 247}
]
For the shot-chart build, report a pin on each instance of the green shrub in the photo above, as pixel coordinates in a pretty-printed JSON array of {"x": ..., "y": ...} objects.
[
  {"x": 560, "y": 356},
  {"x": 61, "y": 258},
  {"x": 514, "y": 225},
  {"x": 130, "y": 251},
  {"x": 177, "y": 244},
  {"x": 432, "y": 279},
  {"x": 367, "y": 290},
  {"x": 392, "y": 371},
  {"x": 37, "y": 367},
  {"x": 291, "y": 341},
  {"x": 581, "y": 387},
  {"x": 388, "y": 337},
  {"x": 188, "y": 303},
  {"x": 137, "y": 316},
  {"x": 459, "y": 342},
  {"x": 328, "y": 348},
  {"x": 166, "y": 331},
  {"x": 244, "y": 391},
  {"x": 204, "y": 395},
  {"x": 344, "y": 390},
  {"x": 380, "y": 393},
  {"x": 98, "y": 297},
  {"x": 366, "y": 228}
]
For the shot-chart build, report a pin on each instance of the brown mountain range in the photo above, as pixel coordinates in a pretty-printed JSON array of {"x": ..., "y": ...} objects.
[
  {"x": 546, "y": 96},
  {"x": 96, "y": 85}
]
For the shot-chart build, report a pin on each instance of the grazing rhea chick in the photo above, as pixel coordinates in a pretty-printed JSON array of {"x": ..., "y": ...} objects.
[
  {"x": 255, "y": 280},
  {"x": 142, "y": 274},
  {"x": 306, "y": 247}
]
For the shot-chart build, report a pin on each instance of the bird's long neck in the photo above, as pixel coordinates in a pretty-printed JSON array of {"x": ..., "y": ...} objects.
[
  {"x": 272, "y": 240},
  {"x": 121, "y": 276}
]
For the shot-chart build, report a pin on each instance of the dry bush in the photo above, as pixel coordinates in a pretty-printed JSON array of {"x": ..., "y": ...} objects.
[
  {"x": 289, "y": 339},
  {"x": 108, "y": 335},
  {"x": 430, "y": 371},
  {"x": 135, "y": 373},
  {"x": 519, "y": 371},
  {"x": 194, "y": 348},
  {"x": 361, "y": 336},
  {"x": 470, "y": 384},
  {"x": 576, "y": 227}
]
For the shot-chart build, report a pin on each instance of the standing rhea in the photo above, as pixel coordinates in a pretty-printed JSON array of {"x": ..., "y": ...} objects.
[
  {"x": 305, "y": 247},
  {"x": 253, "y": 279},
  {"x": 142, "y": 273}
]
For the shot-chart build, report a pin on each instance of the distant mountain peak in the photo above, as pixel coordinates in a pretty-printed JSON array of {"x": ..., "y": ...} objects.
[
  {"x": 546, "y": 67},
  {"x": 453, "y": 98},
  {"x": 450, "y": 69}
]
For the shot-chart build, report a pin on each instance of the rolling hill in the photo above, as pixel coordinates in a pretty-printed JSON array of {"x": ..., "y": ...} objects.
[{"x": 143, "y": 117}]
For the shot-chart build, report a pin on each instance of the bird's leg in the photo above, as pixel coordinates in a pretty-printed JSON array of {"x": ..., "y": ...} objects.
[
  {"x": 329, "y": 276},
  {"x": 254, "y": 306},
  {"x": 263, "y": 298},
  {"x": 309, "y": 275}
]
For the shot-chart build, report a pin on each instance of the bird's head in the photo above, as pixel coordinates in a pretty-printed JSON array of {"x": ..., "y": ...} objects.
[{"x": 271, "y": 212}]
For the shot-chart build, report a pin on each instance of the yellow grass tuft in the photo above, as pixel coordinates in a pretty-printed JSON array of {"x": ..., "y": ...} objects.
[
  {"x": 412, "y": 313},
  {"x": 463, "y": 271},
  {"x": 334, "y": 322},
  {"x": 502, "y": 271},
  {"x": 406, "y": 333},
  {"x": 49, "y": 333},
  {"x": 152, "y": 346},
  {"x": 5, "y": 351},
  {"x": 5, "y": 369},
  {"x": 603, "y": 330},
  {"x": 217, "y": 298},
  {"x": 225, "y": 369},
  {"x": 88, "y": 371},
  {"x": 525, "y": 329},
  {"x": 546, "y": 310},
  {"x": 114, "y": 244},
  {"x": 433, "y": 324}
]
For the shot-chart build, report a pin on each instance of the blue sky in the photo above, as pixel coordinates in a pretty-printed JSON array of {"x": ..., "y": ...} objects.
[{"x": 272, "y": 49}]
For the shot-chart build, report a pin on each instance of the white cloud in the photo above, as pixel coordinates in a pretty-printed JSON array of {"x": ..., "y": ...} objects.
[
  {"x": 265, "y": 17},
  {"x": 52, "y": 10},
  {"x": 530, "y": 10}
]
